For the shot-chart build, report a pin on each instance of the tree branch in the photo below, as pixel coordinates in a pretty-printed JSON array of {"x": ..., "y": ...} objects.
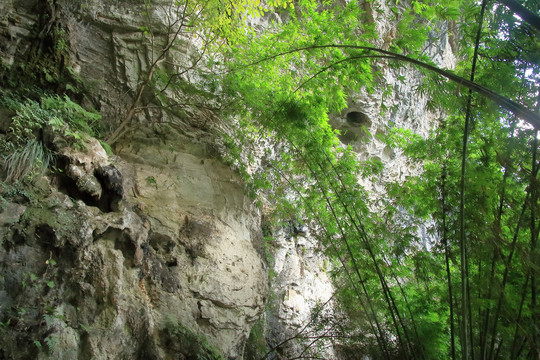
[
  {"x": 510, "y": 105},
  {"x": 524, "y": 13}
]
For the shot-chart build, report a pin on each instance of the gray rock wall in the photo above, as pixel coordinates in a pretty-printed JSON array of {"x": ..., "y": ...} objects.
[
  {"x": 92, "y": 283},
  {"x": 83, "y": 276}
]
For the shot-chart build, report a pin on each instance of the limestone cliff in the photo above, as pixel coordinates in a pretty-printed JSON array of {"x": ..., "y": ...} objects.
[
  {"x": 87, "y": 281},
  {"x": 138, "y": 256},
  {"x": 156, "y": 252}
]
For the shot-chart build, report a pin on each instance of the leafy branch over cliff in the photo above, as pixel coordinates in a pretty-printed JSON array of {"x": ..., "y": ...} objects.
[
  {"x": 413, "y": 295},
  {"x": 208, "y": 23}
]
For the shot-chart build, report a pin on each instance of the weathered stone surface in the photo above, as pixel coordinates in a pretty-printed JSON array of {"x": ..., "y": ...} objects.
[
  {"x": 300, "y": 284},
  {"x": 117, "y": 277},
  {"x": 169, "y": 234},
  {"x": 178, "y": 243},
  {"x": 82, "y": 280},
  {"x": 202, "y": 236}
]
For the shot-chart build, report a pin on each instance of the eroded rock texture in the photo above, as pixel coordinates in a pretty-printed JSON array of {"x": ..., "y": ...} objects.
[
  {"x": 115, "y": 258},
  {"x": 105, "y": 283}
]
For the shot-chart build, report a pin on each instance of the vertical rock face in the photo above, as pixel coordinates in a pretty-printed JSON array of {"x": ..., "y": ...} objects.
[
  {"x": 140, "y": 256},
  {"x": 302, "y": 294},
  {"x": 92, "y": 283},
  {"x": 204, "y": 234}
]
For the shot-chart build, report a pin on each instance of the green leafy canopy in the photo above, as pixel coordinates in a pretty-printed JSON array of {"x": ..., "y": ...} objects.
[{"x": 405, "y": 292}]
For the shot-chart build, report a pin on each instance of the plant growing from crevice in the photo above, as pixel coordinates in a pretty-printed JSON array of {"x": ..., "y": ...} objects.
[
  {"x": 29, "y": 160},
  {"x": 256, "y": 346},
  {"x": 35, "y": 309},
  {"x": 151, "y": 181},
  {"x": 26, "y": 143}
]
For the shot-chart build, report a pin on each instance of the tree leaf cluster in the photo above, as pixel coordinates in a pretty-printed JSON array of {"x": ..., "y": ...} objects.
[{"x": 411, "y": 286}]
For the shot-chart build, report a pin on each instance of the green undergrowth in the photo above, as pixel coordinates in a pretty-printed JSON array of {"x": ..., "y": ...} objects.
[
  {"x": 256, "y": 347},
  {"x": 26, "y": 144}
]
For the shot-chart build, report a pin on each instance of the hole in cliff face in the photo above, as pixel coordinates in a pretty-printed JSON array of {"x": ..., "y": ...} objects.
[
  {"x": 68, "y": 186},
  {"x": 46, "y": 235},
  {"x": 113, "y": 189},
  {"x": 355, "y": 129},
  {"x": 161, "y": 243},
  {"x": 358, "y": 119},
  {"x": 172, "y": 263},
  {"x": 106, "y": 193}
]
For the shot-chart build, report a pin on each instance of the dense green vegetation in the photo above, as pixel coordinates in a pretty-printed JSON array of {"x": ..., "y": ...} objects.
[
  {"x": 35, "y": 124},
  {"x": 472, "y": 293}
]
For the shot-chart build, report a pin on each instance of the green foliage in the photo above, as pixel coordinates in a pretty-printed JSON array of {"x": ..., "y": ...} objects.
[
  {"x": 228, "y": 19},
  {"x": 25, "y": 143},
  {"x": 62, "y": 109},
  {"x": 150, "y": 180},
  {"x": 106, "y": 147},
  {"x": 28, "y": 160},
  {"x": 60, "y": 113},
  {"x": 34, "y": 308},
  {"x": 399, "y": 272}
]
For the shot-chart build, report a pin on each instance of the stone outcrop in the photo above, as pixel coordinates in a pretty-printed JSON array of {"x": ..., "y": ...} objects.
[
  {"x": 302, "y": 294},
  {"x": 104, "y": 283},
  {"x": 109, "y": 257}
]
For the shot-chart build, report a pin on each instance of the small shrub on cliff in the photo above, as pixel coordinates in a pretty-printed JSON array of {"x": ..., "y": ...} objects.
[
  {"x": 25, "y": 140},
  {"x": 31, "y": 159},
  {"x": 59, "y": 113}
]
